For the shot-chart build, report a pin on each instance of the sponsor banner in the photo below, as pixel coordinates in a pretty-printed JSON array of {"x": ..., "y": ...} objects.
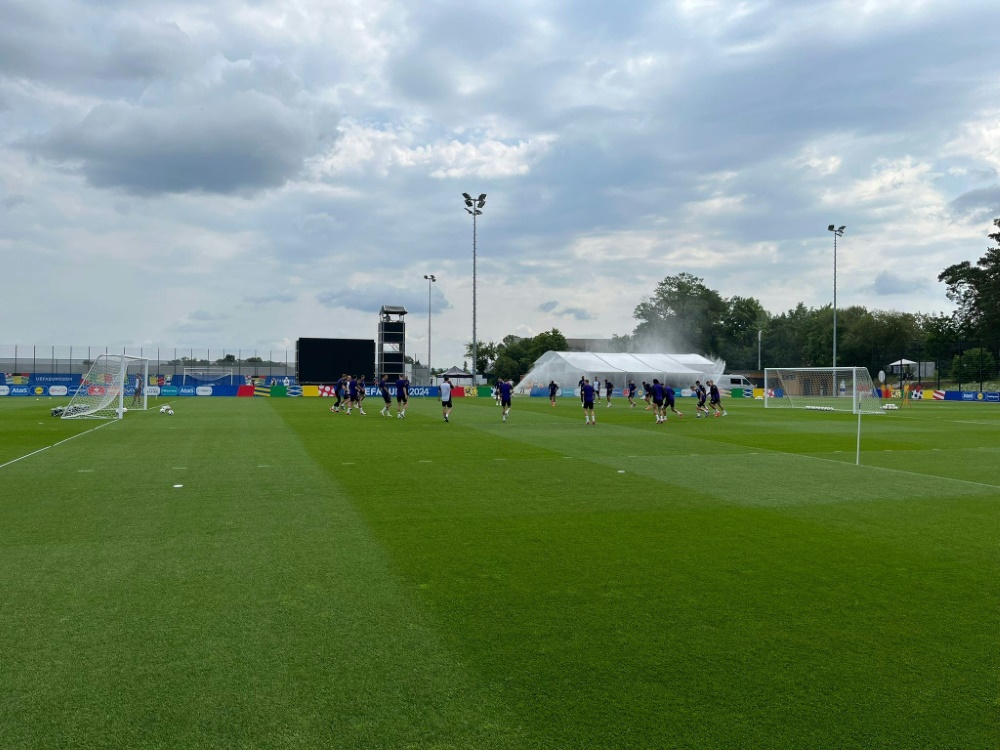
[
  {"x": 993, "y": 397},
  {"x": 245, "y": 391},
  {"x": 567, "y": 392},
  {"x": 169, "y": 390},
  {"x": 310, "y": 390},
  {"x": 38, "y": 390},
  {"x": 153, "y": 390},
  {"x": 45, "y": 379},
  {"x": 4, "y": 390},
  {"x": 187, "y": 390},
  {"x": 58, "y": 390},
  {"x": 15, "y": 378},
  {"x": 938, "y": 395},
  {"x": 20, "y": 390},
  {"x": 203, "y": 390}
]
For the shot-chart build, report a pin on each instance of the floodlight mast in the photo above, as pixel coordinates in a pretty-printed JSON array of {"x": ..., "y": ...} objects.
[
  {"x": 473, "y": 206},
  {"x": 837, "y": 232},
  {"x": 431, "y": 278}
]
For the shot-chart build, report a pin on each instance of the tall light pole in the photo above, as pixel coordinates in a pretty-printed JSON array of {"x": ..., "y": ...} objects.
[
  {"x": 473, "y": 206},
  {"x": 837, "y": 232},
  {"x": 430, "y": 280},
  {"x": 760, "y": 333}
]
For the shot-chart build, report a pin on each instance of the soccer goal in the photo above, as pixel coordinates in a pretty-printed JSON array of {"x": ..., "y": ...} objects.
[
  {"x": 834, "y": 389},
  {"x": 207, "y": 376},
  {"x": 115, "y": 384}
]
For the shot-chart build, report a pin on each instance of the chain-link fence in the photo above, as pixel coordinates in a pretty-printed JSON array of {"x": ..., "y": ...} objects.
[
  {"x": 956, "y": 365},
  {"x": 76, "y": 360}
]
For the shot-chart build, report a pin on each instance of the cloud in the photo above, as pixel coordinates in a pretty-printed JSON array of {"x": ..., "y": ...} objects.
[
  {"x": 980, "y": 202},
  {"x": 576, "y": 312},
  {"x": 205, "y": 315},
  {"x": 548, "y": 306},
  {"x": 370, "y": 297},
  {"x": 888, "y": 283},
  {"x": 245, "y": 143},
  {"x": 264, "y": 299}
]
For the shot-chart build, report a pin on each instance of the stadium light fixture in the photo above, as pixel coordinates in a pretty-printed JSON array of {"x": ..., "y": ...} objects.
[
  {"x": 837, "y": 232},
  {"x": 473, "y": 207},
  {"x": 431, "y": 278}
]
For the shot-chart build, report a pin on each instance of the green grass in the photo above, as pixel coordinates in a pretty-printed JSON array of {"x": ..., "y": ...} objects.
[{"x": 338, "y": 581}]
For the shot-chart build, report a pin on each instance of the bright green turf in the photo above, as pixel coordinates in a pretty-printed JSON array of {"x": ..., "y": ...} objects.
[{"x": 342, "y": 581}]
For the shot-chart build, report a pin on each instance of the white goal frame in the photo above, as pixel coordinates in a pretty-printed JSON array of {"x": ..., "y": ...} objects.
[
  {"x": 103, "y": 391},
  {"x": 846, "y": 389}
]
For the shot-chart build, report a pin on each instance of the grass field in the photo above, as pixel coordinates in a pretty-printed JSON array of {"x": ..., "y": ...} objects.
[{"x": 260, "y": 573}]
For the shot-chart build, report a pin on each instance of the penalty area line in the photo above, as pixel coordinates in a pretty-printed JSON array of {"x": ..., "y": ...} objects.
[{"x": 42, "y": 450}]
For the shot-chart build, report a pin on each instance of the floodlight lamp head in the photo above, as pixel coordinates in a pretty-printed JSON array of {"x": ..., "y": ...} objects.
[
  {"x": 831, "y": 228},
  {"x": 841, "y": 229},
  {"x": 467, "y": 196},
  {"x": 468, "y": 211},
  {"x": 430, "y": 277},
  {"x": 481, "y": 200}
]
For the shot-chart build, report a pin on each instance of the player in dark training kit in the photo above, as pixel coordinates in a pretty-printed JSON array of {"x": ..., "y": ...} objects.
[
  {"x": 658, "y": 402},
  {"x": 383, "y": 388},
  {"x": 715, "y": 399},
  {"x": 402, "y": 396},
  {"x": 553, "y": 391},
  {"x": 587, "y": 396},
  {"x": 668, "y": 401},
  {"x": 630, "y": 390},
  {"x": 506, "y": 389},
  {"x": 702, "y": 394}
]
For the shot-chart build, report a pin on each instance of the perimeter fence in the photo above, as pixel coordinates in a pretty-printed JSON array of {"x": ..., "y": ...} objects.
[{"x": 30, "y": 359}]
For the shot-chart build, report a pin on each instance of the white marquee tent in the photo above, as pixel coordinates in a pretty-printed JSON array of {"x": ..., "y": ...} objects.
[{"x": 566, "y": 369}]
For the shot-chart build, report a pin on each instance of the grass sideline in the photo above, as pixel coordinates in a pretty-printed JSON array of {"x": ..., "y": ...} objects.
[{"x": 324, "y": 580}]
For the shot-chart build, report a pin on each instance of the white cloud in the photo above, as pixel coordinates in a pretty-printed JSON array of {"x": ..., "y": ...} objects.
[{"x": 383, "y": 150}]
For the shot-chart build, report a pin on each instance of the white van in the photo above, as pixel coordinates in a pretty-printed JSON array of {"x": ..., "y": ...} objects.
[{"x": 733, "y": 381}]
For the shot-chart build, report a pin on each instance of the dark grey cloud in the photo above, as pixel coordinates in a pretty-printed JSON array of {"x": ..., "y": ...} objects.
[
  {"x": 548, "y": 306},
  {"x": 9, "y": 202},
  {"x": 982, "y": 200},
  {"x": 242, "y": 144}
]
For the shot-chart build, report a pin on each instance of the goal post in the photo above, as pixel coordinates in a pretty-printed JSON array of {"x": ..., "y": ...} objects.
[
  {"x": 844, "y": 389},
  {"x": 821, "y": 389},
  {"x": 115, "y": 384}
]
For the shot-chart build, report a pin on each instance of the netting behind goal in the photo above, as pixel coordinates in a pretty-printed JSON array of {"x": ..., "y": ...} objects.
[
  {"x": 821, "y": 388},
  {"x": 207, "y": 376},
  {"x": 116, "y": 383}
]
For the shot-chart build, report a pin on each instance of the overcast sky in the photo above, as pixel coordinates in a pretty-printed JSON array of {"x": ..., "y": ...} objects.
[{"x": 217, "y": 173}]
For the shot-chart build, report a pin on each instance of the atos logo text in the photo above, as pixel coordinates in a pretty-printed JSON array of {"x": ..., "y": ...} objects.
[
  {"x": 186, "y": 390},
  {"x": 20, "y": 390},
  {"x": 966, "y": 396},
  {"x": 58, "y": 390},
  {"x": 203, "y": 390}
]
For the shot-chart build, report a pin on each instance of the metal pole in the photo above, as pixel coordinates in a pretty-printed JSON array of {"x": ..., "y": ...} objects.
[
  {"x": 835, "y": 304},
  {"x": 475, "y": 341},
  {"x": 759, "y": 333}
]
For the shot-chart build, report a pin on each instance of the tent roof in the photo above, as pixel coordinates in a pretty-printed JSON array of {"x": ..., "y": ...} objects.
[
  {"x": 653, "y": 362},
  {"x": 901, "y": 362},
  {"x": 456, "y": 372}
]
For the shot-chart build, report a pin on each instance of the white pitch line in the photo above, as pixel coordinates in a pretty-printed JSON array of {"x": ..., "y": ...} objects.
[{"x": 40, "y": 450}]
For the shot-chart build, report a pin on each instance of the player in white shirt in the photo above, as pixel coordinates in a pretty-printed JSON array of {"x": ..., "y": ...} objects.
[{"x": 446, "y": 398}]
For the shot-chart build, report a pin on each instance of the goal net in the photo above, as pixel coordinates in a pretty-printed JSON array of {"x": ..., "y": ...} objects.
[
  {"x": 821, "y": 389},
  {"x": 115, "y": 384},
  {"x": 207, "y": 376}
]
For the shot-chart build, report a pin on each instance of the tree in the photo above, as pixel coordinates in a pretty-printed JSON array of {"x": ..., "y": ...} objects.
[
  {"x": 976, "y": 292},
  {"x": 738, "y": 341},
  {"x": 682, "y": 312},
  {"x": 485, "y": 356}
]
